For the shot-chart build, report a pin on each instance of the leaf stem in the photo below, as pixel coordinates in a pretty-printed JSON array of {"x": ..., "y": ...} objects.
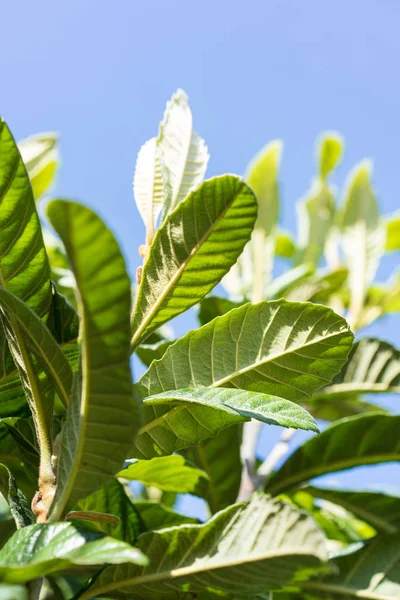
[{"x": 277, "y": 453}]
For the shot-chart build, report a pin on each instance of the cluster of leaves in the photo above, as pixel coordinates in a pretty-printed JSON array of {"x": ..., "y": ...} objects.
[{"x": 76, "y": 430}]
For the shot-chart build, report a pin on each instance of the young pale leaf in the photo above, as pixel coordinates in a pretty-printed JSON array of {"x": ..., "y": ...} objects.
[
  {"x": 243, "y": 550},
  {"x": 329, "y": 153},
  {"x": 113, "y": 500},
  {"x": 251, "y": 275},
  {"x": 13, "y": 592},
  {"x": 169, "y": 473},
  {"x": 363, "y": 235},
  {"x": 148, "y": 186},
  {"x": 393, "y": 233},
  {"x": 203, "y": 412},
  {"x": 39, "y": 550},
  {"x": 219, "y": 457},
  {"x": 371, "y": 573},
  {"x": 373, "y": 367},
  {"x": 183, "y": 152},
  {"x": 379, "y": 510},
  {"x": 186, "y": 259},
  {"x": 102, "y": 417},
  {"x": 362, "y": 440},
  {"x": 315, "y": 218},
  {"x": 41, "y": 157}
]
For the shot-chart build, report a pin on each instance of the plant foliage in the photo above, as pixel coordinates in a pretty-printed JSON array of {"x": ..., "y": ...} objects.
[{"x": 93, "y": 464}]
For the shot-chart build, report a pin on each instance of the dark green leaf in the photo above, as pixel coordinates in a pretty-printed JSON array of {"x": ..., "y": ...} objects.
[
  {"x": 362, "y": 440},
  {"x": 102, "y": 417}
]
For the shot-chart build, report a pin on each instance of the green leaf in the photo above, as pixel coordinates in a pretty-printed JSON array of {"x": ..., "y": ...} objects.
[
  {"x": 332, "y": 408},
  {"x": 19, "y": 507},
  {"x": 379, "y": 510},
  {"x": 284, "y": 348},
  {"x": 212, "y": 307},
  {"x": 148, "y": 186},
  {"x": 102, "y": 417},
  {"x": 38, "y": 341},
  {"x": 243, "y": 550},
  {"x": 24, "y": 271},
  {"x": 113, "y": 500},
  {"x": 371, "y": 573},
  {"x": 169, "y": 473},
  {"x": 157, "y": 516},
  {"x": 329, "y": 153},
  {"x": 353, "y": 442},
  {"x": 185, "y": 260},
  {"x": 315, "y": 218},
  {"x": 373, "y": 367},
  {"x": 39, "y": 550},
  {"x": 12, "y": 456},
  {"x": 284, "y": 246},
  {"x": 363, "y": 235},
  {"x": 41, "y": 157},
  {"x": 149, "y": 352},
  {"x": 219, "y": 457},
  {"x": 262, "y": 176},
  {"x": 189, "y": 422},
  {"x": 393, "y": 233},
  {"x": 261, "y": 356},
  {"x": 13, "y": 592},
  {"x": 183, "y": 152}
]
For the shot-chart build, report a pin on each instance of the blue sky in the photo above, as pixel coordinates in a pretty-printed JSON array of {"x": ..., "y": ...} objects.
[{"x": 100, "y": 73}]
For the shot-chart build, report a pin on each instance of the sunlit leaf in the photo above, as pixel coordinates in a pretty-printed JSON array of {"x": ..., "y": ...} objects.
[
  {"x": 244, "y": 549},
  {"x": 41, "y": 157},
  {"x": 353, "y": 442},
  {"x": 185, "y": 260}
]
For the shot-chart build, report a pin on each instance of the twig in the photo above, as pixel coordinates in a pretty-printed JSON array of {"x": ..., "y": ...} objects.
[
  {"x": 278, "y": 451},
  {"x": 248, "y": 484}
]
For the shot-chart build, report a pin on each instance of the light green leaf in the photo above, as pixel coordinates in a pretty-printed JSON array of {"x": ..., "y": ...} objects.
[
  {"x": 379, "y": 510},
  {"x": 363, "y": 235},
  {"x": 353, "y": 442},
  {"x": 102, "y": 417},
  {"x": 183, "y": 152},
  {"x": 39, "y": 550},
  {"x": 41, "y": 157},
  {"x": 157, "y": 516},
  {"x": 315, "y": 218},
  {"x": 169, "y": 473},
  {"x": 189, "y": 422},
  {"x": 243, "y": 550},
  {"x": 371, "y": 573},
  {"x": 13, "y": 592},
  {"x": 373, "y": 367},
  {"x": 280, "y": 348},
  {"x": 329, "y": 153},
  {"x": 185, "y": 260},
  {"x": 262, "y": 176},
  {"x": 148, "y": 186},
  {"x": 285, "y": 246},
  {"x": 393, "y": 233},
  {"x": 149, "y": 352},
  {"x": 113, "y": 500},
  {"x": 219, "y": 457},
  {"x": 275, "y": 348}
]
